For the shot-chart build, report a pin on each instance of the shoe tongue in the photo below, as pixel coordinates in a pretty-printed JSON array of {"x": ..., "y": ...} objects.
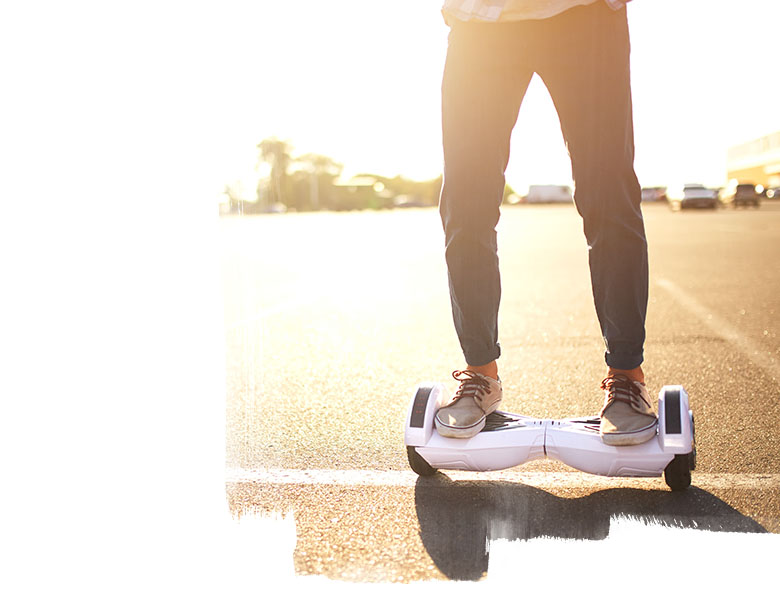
[{"x": 487, "y": 377}]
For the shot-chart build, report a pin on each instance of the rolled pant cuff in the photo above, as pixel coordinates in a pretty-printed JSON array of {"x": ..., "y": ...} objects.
[
  {"x": 623, "y": 362},
  {"x": 482, "y": 358}
]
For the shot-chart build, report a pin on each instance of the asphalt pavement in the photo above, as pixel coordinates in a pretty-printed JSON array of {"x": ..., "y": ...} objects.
[{"x": 332, "y": 319}]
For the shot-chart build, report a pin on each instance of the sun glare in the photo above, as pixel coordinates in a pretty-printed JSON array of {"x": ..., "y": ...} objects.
[{"x": 360, "y": 83}]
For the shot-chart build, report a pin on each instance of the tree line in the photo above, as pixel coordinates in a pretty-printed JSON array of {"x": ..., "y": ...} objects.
[{"x": 311, "y": 182}]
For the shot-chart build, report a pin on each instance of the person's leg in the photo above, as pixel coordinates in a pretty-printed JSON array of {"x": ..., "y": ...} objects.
[
  {"x": 482, "y": 89},
  {"x": 587, "y": 73}
]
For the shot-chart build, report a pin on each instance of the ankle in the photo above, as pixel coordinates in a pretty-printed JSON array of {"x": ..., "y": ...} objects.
[
  {"x": 633, "y": 374},
  {"x": 490, "y": 369}
]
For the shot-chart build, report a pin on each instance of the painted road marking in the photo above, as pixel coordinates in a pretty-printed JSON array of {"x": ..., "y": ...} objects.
[{"x": 543, "y": 479}]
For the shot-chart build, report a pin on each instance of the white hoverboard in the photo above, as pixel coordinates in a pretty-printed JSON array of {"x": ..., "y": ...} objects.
[{"x": 509, "y": 440}]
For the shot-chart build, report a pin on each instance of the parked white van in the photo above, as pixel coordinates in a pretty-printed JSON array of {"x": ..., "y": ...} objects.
[{"x": 549, "y": 193}]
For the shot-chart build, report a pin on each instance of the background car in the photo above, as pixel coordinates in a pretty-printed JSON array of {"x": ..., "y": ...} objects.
[
  {"x": 693, "y": 195},
  {"x": 741, "y": 194},
  {"x": 654, "y": 194}
]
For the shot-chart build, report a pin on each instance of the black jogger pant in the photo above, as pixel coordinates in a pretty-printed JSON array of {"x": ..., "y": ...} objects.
[{"x": 582, "y": 56}]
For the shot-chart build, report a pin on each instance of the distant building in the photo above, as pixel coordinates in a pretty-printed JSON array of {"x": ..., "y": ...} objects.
[{"x": 756, "y": 161}]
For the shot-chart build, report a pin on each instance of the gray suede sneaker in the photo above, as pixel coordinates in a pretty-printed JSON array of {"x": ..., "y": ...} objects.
[
  {"x": 627, "y": 418},
  {"x": 477, "y": 397}
]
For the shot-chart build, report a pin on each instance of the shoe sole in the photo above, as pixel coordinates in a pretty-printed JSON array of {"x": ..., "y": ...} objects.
[
  {"x": 459, "y": 432},
  {"x": 463, "y": 432},
  {"x": 630, "y": 438}
]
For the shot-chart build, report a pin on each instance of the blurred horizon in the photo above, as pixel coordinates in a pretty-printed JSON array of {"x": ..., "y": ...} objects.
[
  {"x": 182, "y": 95},
  {"x": 698, "y": 89}
]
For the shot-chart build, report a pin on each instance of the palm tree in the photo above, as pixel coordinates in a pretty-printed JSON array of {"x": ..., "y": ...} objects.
[{"x": 276, "y": 153}]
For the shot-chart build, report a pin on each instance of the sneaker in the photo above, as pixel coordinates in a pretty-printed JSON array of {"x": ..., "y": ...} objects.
[
  {"x": 627, "y": 417},
  {"x": 477, "y": 397}
]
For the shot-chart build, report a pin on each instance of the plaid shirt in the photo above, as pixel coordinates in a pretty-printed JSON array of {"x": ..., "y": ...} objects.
[{"x": 493, "y": 10}]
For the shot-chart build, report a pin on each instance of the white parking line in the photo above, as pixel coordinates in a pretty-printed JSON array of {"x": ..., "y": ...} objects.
[
  {"x": 268, "y": 542},
  {"x": 752, "y": 352},
  {"x": 544, "y": 479}
]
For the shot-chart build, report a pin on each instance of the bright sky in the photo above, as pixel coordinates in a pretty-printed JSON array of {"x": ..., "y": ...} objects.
[
  {"x": 360, "y": 81},
  {"x": 171, "y": 90}
]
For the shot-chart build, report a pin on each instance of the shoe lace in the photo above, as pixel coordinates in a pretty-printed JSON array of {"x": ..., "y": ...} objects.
[
  {"x": 472, "y": 384},
  {"x": 620, "y": 388}
]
